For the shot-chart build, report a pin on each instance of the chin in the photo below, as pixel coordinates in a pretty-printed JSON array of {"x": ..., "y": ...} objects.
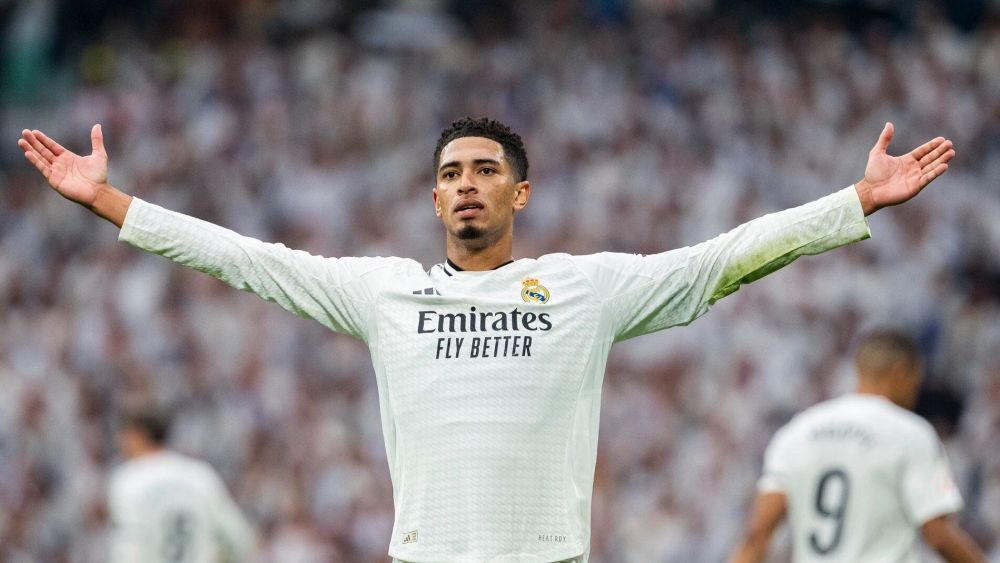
[{"x": 470, "y": 232}]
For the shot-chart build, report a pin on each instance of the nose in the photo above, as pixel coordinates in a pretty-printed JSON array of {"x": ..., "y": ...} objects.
[{"x": 467, "y": 185}]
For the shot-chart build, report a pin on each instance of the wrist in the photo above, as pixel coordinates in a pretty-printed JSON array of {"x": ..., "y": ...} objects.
[
  {"x": 864, "y": 190},
  {"x": 110, "y": 203}
]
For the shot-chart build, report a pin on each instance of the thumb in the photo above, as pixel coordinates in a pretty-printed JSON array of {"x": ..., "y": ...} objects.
[
  {"x": 882, "y": 144},
  {"x": 97, "y": 139}
]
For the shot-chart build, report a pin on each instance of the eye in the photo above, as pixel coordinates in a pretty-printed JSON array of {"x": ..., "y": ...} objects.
[
  {"x": 449, "y": 175},
  {"x": 487, "y": 171}
]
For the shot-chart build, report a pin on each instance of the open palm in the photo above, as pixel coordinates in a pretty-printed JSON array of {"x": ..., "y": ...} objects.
[
  {"x": 75, "y": 177},
  {"x": 891, "y": 180}
]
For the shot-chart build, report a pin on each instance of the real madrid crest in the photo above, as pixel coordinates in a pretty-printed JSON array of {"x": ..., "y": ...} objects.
[{"x": 534, "y": 291}]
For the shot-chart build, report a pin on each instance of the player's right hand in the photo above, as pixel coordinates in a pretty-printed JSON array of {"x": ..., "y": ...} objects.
[{"x": 77, "y": 178}]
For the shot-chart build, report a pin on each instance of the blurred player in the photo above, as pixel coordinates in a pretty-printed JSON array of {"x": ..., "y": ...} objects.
[
  {"x": 860, "y": 475},
  {"x": 169, "y": 508},
  {"x": 489, "y": 369}
]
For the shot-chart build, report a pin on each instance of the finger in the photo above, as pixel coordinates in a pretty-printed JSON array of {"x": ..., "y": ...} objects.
[
  {"x": 882, "y": 144},
  {"x": 37, "y": 145},
  {"x": 921, "y": 151},
  {"x": 930, "y": 176},
  {"x": 942, "y": 159},
  {"x": 26, "y": 147},
  {"x": 935, "y": 154},
  {"x": 39, "y": 163},
  {"x": 53, "y": 146},
  {"x": 97, "y": 139}
]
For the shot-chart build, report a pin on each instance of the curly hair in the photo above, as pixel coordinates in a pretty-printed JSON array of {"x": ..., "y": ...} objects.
[{"x": 513, "y": 146}]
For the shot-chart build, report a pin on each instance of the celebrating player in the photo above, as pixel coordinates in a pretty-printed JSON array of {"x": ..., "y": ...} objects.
[
  {"x": 858, "y": 476},
  {"x": 168, "y": 507},
  {"x": 489, "y": 369}
]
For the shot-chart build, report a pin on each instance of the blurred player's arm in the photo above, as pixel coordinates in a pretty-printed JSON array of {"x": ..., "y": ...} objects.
[
  {"x": 950, "y": 541},
  {"x": 125, "y": 539},
  {"x": 768, "y": 512},
  {"x": 930, "y": 497},
  {"x": 235, "y": 534}
]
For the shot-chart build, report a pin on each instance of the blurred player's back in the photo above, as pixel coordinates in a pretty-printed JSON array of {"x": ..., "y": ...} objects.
[
  {"x": 861, "y": 475},
  {"x": 170, "y": 508}
]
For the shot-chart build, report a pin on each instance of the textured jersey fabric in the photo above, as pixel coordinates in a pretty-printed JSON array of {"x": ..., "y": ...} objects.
[
  {"x": 168, "y": 507},
  {"x": 860, "y": 476},
  {"x": 490, "y": 382}
]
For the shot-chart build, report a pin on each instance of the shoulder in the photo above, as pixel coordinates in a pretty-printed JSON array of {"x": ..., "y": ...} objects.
[
  {"x": 375, "y": 263},
  {"x": 809, "y": 418},
  {"x": 196, "y": 470},
  {"x": 600, "y": 266},
  {"x": 904, "y": 423},
  {"x": 609, "y": 258},
  {"x": 377, "y": 269},
  {"x": 918, "y": 430}
]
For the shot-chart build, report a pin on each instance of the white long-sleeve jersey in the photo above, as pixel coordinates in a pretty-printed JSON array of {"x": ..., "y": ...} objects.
[
  {"x": 860, "y": 476},
  {"x": 169, "y": 508},
  {"x": 490, "y": 382}
]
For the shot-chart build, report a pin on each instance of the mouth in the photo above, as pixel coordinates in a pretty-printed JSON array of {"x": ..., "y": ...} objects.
[{"x": 467, "y": 209}]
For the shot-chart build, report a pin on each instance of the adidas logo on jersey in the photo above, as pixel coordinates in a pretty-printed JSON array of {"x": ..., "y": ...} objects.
[
  {"x": 426, "y": 291},
  {"x": 410, "y": 537}
]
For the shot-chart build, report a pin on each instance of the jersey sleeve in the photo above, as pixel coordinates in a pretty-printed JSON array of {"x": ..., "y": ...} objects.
[
  {"x": 233, "y": 531},
  {"x": 125, "y": 539},
  {"x": 928, "y": 488},
  {"x": 777, "y": 465},
  {"x": 649, "y": 293},
  {"x": 336, "y": 292}
]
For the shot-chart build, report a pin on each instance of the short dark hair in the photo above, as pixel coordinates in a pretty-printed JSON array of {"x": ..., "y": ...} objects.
[
  {"x": 154, "y": 422},
  {"x": 513, "y": 146}
]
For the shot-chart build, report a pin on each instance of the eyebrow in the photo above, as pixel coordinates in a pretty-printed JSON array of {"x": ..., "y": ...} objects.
[{"x": 476, "y": 162}]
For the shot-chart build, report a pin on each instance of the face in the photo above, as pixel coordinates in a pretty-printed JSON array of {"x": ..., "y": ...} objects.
[{"x": 476, "y": 194}]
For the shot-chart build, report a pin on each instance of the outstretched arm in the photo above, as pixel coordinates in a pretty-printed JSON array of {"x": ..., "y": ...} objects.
[
  {"x": 768, "y": 512},
  {"x": 324, "y": 289},
  {"x": 891, "y": 180},
  {"x": 82, "y": 179}
]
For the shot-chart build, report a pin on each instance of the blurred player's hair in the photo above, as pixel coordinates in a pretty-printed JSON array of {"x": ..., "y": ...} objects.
[
  {"x": 513, "y": 146},
  {"x": 878, "y": 350},
  {"x": 152, "y": 421}
]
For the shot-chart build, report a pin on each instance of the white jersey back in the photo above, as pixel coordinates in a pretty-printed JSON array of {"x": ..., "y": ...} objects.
[
  {"x": 169, "y": 508},
  {"x": 490, "y": 382},
  {"x": 860, "y": 475}
]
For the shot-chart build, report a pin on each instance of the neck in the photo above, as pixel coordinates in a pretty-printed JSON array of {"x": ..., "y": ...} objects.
[
  {"x": 869, "y": 388},
  {"x": 473, "y": 258},
  {"x": 145, "y": 450}
]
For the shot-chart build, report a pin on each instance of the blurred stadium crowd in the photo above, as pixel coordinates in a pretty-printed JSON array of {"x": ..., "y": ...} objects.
[{"x": 650, "y": 124}]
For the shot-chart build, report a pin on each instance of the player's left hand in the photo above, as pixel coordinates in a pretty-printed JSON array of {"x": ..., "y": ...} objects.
[{"x": 891, "y": 180}]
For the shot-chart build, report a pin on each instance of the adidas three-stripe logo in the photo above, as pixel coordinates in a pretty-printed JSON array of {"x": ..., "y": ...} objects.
[{"x": 426, "y": 291}]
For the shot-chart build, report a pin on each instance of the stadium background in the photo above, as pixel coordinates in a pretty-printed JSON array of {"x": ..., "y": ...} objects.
[{"x": 650, "y": 125}]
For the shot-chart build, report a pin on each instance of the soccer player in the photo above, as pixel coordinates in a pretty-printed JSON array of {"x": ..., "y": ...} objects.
[
  {"x": 859, "y": 475},
  {"x": 489, "y": 369},
  {"x": 169, "y": 508}
]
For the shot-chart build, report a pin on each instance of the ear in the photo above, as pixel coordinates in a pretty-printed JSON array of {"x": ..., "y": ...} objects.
[
  {"x": 437, "y": 204},
  {"x": 522, "y": 192}
]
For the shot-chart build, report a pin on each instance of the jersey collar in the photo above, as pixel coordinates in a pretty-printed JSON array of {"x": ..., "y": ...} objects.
[{"x": 451, "y": 268}]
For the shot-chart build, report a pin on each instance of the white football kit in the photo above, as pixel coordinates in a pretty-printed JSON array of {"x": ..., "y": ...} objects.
[
  {"x": 860, "y": 476},
  {"x": 169, "y": 508},
  {"x": 490, "y": 382}
]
